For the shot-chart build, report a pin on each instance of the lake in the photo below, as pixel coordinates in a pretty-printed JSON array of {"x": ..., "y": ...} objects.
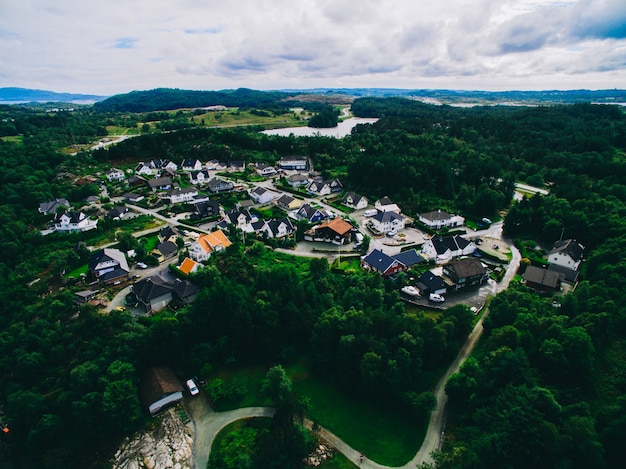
[{"x": 343, "y": 128}]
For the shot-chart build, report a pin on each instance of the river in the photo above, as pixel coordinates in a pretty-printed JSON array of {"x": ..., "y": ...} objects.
[{"x": 343, "y": 128}]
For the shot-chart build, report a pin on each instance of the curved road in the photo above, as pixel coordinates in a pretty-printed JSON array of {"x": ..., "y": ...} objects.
[{"x": 432, "y": 440}]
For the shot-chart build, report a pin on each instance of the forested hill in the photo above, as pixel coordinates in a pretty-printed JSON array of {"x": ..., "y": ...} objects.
[{"x": 163, "y": 99}]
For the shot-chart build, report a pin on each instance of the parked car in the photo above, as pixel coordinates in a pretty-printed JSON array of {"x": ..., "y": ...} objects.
[
  {"x": 191, "y": 385},
  {"x": 436, "y": 298},
  {"x": 392, "y": 233},
  {"x": 142, "y": 265}
]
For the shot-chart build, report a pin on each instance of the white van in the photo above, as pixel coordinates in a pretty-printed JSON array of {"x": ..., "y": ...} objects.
[
  {"x": 370, "y": 213},
  {"x": 436, "y": 298}
]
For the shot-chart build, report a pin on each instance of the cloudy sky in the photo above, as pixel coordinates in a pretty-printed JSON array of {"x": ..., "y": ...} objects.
[{"x": 115, "y": 46}]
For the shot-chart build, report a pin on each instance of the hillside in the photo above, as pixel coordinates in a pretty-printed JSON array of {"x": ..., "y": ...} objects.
[{"x": 28, "y": 95}]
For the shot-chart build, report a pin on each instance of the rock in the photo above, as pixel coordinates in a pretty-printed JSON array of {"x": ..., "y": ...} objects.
[{"x": 169, "y": 445}]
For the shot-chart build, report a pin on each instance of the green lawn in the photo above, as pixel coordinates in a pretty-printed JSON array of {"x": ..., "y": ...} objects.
[
  {"x": 77, "y": 271},
  {"x": 384, "y": 436}
]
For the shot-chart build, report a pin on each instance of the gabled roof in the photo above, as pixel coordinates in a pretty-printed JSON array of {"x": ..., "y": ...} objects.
[
  {"x": 117, "y": 211},
  {"x": 409, "y": 258},
  {"x": 206, "y": 208},
  {"x": 431, "y": 281},
  {"x": 379, "y": 260},
  {"x": 150, "y": 288},
  {"x": 259, "y": 190},
  {"x": 168, "y": 232},
  {"x": 107, "y": 255},
  {"x": 436, "y": 215},
  {"x": 338, "y": 225},
  {"x": 73, "y": 217},
  {"x": 275, "y": 224},
  {"x": 159, "y": 182},
  {"x": 356, "y": 198},
  {"x": 188, "y": 266},
  {"x": 184, "y": 289},
  {"x": 386, "y": 217},
  {"x": 465, "y": 268},
  {"x": 51, "y": 206},
  {"x": 384, "y": 201},
  {"x": 297, "y": 178},
  {"x": 166, "y": 248},
  {"x": 569, "y": 247},
  {"x": 453, "y": 243},
  {"x": 233, "y": 214},
  {"x": 285, "y": 200},
  {"x": 208, "y": 242},
  {"x": 543, "y": 277},
  {"x": 216, "y": 183}
]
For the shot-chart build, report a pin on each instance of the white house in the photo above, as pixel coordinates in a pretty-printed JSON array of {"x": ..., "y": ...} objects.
[
  {"x": 297, "y": 180},
  {"x": 325, "y": 187},
  {"x": 202, "y": 248},
  {"x": 108, "y": 265},
  {"x": 566, "y": 253},
  {"x": 386, "y": 205},
  {"x": 384, "y": 222},
  {"x": 115, "y": 174},
  {"x": 439, "y": 219},
  {"x": 261, "y": 195},
  {"x": 199, "y": 177},
  {"x": 281, "y": 227},
  {"x": 73, "y": 221},
  {"x": 186, "y": 194},
  {"x": 298, "y": 163},
  {"x": 444, "y": 248},
  {"x": 354, "y": 201},
  {"x": 264, "y": 170},
  {"x": 147, "y": 169},
  {"x": 191, "y": 164}
]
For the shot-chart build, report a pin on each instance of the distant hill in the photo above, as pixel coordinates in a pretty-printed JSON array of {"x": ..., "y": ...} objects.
[
  {"x": 512, "y": 97},
  {"x": 24, "y": 95},
  {"x": 162, "y": 99}
]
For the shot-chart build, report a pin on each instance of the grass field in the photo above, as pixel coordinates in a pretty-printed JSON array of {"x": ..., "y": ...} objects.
[
  {"x": 382, "y": 435},
  {"x": 234, "y": 117},
  {"x": 78, "y": 271}
]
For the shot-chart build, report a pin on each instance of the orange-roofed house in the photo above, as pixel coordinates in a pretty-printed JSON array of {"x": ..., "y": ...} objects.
[
  {"x": 336, "y": 231},
  {"x": 189, "y": 266},
  {"x": 206, "y": 244}
]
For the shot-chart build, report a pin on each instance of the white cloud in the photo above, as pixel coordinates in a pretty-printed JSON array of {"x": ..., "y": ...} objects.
[{"x": 116, "y": 46}]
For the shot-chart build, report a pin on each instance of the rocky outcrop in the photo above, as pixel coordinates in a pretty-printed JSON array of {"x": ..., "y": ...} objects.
[{"x": 169, "y": 445}]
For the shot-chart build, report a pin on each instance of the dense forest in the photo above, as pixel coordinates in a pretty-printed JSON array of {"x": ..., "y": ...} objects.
[{"x": 546, "y": 386}]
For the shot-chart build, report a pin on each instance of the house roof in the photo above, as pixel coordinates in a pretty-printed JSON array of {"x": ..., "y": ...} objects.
[
  {"x": 543, "y": 277},
  {"x": 150, "y": 288},
  {"x": 338, "y": 225},
  {"x": 74, "y": 217},
  {"x": 185, "y": 190},
  {"x": 51, "y": 206},
  {"x": 184, "y": 289},
  {"x": 436, "y": 215},
  {"x": 467, "y": 267},
  {"x": 384, "y": 201},
  {"x": 159, "y": 182},
  {"x": 356, "y": 198},
  {"x": 166, "y": 248},
  {"x": 117, "y": 211},
  {"x": 208, "y": 242},
  {"x": 156, "y": 382},
  {"x": 409, "y": 258},
  {"x": 431, "y": 281},
  {"x": 379, "y": 260},
  {"x": 206, "y": 208},
  {"x": 386, "y": 217},
  {"x": 285, "y": 200},
  {"x": 216, "y": 183},
  {"x": 275, "y": 224},
  {"x": 108, "y": 254},
  {"x": 569, "y": 275},
  {"x": 188, "y": 266},
  {"x": 234, "y": 213},
  {"x": 168, "y": 232},
  {"x": 453, "y": 243},
  {"x": 569, "y": 247},
  {"x": 259, "y": 190},
  {"x": 297, "y": 178},
  {"x": 189, "y": 162}
]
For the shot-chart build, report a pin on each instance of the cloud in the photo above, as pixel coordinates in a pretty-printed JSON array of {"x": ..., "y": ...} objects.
[{"x": 88, "y": 45}]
